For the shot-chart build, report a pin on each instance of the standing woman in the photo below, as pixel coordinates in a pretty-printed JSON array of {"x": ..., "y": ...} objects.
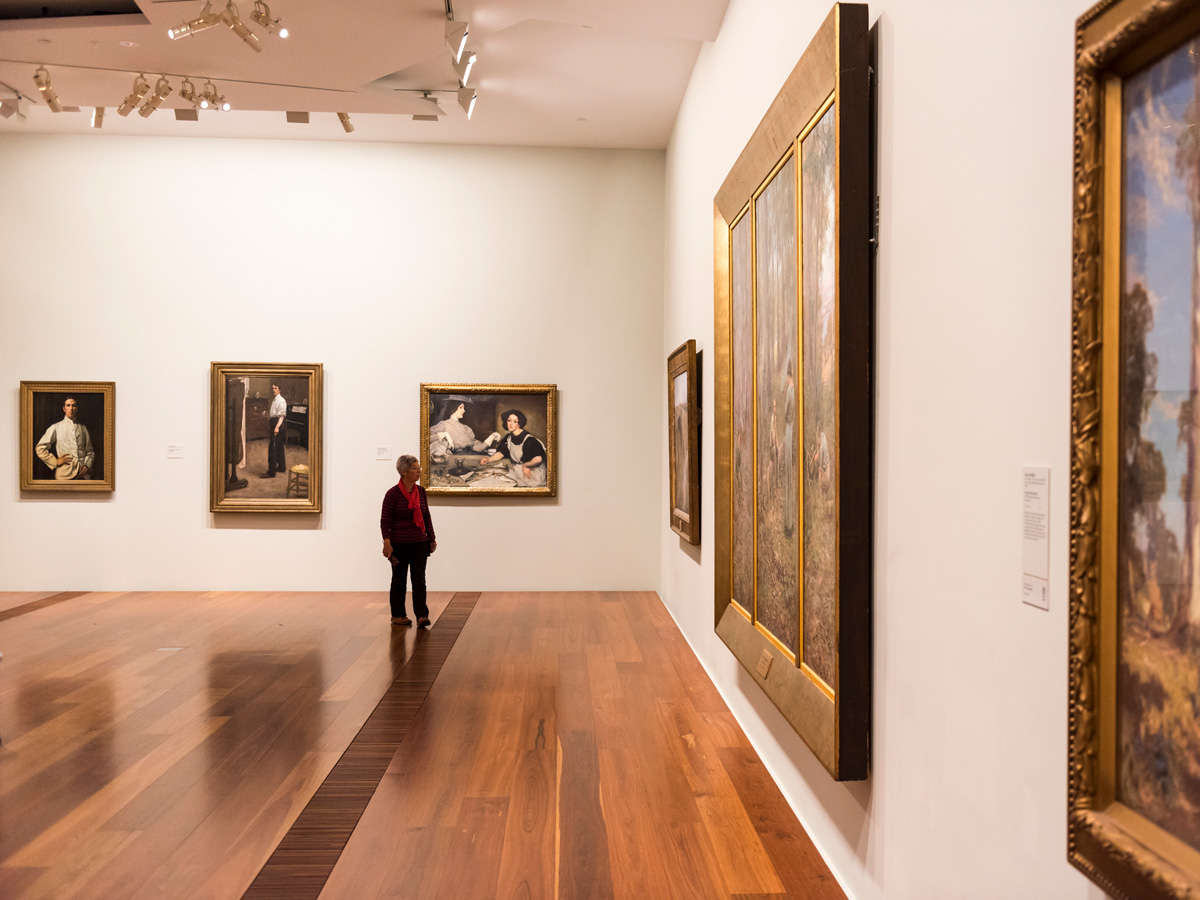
[{"x": 408, "y": 539}]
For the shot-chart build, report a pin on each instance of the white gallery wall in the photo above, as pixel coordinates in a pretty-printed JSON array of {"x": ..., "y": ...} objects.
[
  {"x": 141, "y": 261},
  {"x": 968, "y": 792}
]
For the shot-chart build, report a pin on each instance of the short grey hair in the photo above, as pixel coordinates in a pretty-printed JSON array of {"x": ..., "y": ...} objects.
[{"x": 406, "y": 462}]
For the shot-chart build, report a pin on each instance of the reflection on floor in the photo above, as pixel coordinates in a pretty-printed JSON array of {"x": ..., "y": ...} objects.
[{"x": 159, "y": 745}]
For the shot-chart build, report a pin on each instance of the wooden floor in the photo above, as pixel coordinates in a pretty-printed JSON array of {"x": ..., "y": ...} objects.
[{"x": 570, "y": 747}]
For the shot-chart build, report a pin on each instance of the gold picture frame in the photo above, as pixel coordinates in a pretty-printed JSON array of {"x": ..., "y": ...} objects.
[
  {"x": 683, "y": 442},
  {"x": 793, "y": 415},
  {"x": 470, "y": 448},
  {"x": 251, "y": 448},
  {"x": 45, "y": 466},
  {"x": 1115, "y": 835}
]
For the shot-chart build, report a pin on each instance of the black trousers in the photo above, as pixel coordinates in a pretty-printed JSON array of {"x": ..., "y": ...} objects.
[
  {"x": 404, "y": 557},
  {"x": 275, "y": 447}
]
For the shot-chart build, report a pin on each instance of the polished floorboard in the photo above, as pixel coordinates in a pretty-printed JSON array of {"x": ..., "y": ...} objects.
[{"x": 164, "y": 745}]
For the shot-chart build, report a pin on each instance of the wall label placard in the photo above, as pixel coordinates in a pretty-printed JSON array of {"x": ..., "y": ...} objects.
[{"x": 1035, "y": 536}]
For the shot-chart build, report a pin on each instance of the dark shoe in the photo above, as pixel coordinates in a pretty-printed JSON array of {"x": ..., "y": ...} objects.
[
  {"x": 269, "y": 475},
  {"x": 401, "y": 620},
  {"x": 423, "y": 622}
]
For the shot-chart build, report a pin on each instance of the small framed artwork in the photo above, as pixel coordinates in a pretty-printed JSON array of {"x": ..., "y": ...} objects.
[
  {"x": 683, "y": 439},
  {"x": 266, "y": 437},
  {"x": 490, "y": 439},
  {"x": 1133, "y": 806},
  {"x": 68, "y": 440},
  {"x": 793, "y": 405}
]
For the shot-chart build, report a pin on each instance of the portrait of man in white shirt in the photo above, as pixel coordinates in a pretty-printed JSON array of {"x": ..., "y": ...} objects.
[{"x": 66, "y": 447}]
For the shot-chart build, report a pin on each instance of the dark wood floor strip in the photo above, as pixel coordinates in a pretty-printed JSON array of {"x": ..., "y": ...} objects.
[
  {"x": 35, "y": 605},
  {"x": 300, "y": 865}
]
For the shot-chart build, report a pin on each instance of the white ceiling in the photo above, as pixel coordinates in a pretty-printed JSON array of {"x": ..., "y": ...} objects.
[{"x": 573, "y": 73}]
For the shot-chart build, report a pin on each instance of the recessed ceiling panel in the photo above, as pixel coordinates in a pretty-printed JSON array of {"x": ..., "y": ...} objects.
[{"x": 66, "y": 9}]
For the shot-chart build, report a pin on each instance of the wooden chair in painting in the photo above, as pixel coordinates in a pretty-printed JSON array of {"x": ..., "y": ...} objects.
[{"x": 298, "y": 480}]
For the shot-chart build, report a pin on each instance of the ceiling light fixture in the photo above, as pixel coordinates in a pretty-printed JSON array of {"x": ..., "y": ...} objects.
[
  {"x": 42, "y": 79},
  {"x": 187, "y": 91},
  {"x": 15, "y": 106},
  {"x": 344, "y": 118},
  {"x": 463, "y": 67},
  {"x": 162, "y": 88},
  {"x": 206, "y": 19},
  {"x": 229, "y": 15},
  {"x": 456, "y": 37},
  {"x": 262, "y": 15},
  {"x": 140, "y": 88},
  {"x": 213, "y": 99},
  {"x": 98, "y": 117},
  {"x": 466, "y": 99}
]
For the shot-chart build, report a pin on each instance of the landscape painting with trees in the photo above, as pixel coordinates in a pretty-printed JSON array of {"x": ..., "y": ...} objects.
[
  {"x": 818, "y": 205},
  {"x": 776, "y": 351},
  {"x": 1159, "y": 530}
]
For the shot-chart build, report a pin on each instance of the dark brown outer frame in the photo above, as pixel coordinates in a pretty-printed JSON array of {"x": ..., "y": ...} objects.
[
  {"x": 684, "y": 359},
  {"x": 836, "y": 61},
  {"x": 1121, "y": 851},
  {"x": 218, "y": 502}
]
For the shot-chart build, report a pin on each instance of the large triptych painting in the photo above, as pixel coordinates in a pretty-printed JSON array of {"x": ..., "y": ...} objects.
[
  {"x": 794, "y": 412},
  {"x": 1134, "y": 822}
]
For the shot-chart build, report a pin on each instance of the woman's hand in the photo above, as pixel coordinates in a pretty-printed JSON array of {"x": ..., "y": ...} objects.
[
  {"x": 432, "y": 547},
  {"x": 387, "y": 549}
]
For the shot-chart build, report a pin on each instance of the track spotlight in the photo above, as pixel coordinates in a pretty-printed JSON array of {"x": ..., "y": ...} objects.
[
  {"x": 42, "y": 79},
  {"x": 344, "y": 118},
  {"x": 98, "y": 117},
  {"x": 463, "y": 67},
  {"x": 140, "y": 88},
  {"x": 466, "y": 99},
  {"x": 210, "y": 99},
  {"x": 262, "y": 15},
  {"x": 229, "y": 15},
  {"x": 187, "y": 91},
  {"x": 206, "y": 19},
  {"x": 162, "y": 88},
  {"x": 456, "y": 38}
]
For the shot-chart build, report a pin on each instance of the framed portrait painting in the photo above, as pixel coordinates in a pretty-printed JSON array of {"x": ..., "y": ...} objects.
[
  {"x": 266, "y": 437},
  {"x": 793, "y": 416},
  {"x": 490, "y": 439},
  {"x": 68, "y": 438},
  {"x": 1134, "y": 742},
  {"x": 683, "y": 441}
]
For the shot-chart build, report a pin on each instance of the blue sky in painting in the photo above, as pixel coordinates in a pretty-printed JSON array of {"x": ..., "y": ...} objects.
[{"x": 1159, "y": 244}]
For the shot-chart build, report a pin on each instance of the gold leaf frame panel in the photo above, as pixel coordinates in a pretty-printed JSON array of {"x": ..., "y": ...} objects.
[
  {"x": 1119, "y": 849},
  {"x": 833, "y": 719}
]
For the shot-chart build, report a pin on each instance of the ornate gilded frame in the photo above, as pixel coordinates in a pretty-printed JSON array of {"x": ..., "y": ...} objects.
[
  {"x": 222, "y": 501},
  {"x": 833, "y": 719},
  {"x": 1120, "y": 850},
  {"x": 685, "y": 523},
  {"x": 550, "y": 394},
  {"x": 106, "y": 390}
]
